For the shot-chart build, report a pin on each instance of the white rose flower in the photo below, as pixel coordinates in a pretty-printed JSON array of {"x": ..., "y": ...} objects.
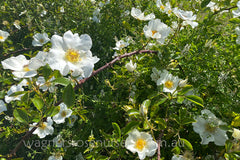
[
  {"x": 17, "y": 24},
  {"x": 40, "y": 39},
  {"x": 236, "y": 13},
  {"x": 207, "y": 126},
  {"x": 130, "y": 66},
  {"x": 13, "y": 89},
  {"x": 44, "y": 86},
  {"x": 73, "y": 119},
  {"x": 164, "y": 8},
  {"x": 21, "y": 67},
  {"x": 213, "y": 6},
  {"x": 142, "y": 143},
  {"x": 236, "y": 133},
  {"x": 44, "y": 128},
  {"x": 120, "y": 45},
  {"x": 138, "y": 14},
  {"x": 2, "y": 106},
  {"x": 3, "y": 35},
  {"x": 237, "y": 29},
  {"x": 58, "y": 141},
  {"x": 186, "y": 16},
  {"x": 72, "y": 53},
  {"x": 56, "y": 156},
  {"x": 170, "y": 82},
  {"x": 63, "y": 113},
  {"x": 157, "y": 30},
  {"x": 156, "y": 74},
  {"x": 178, "y": 157}
]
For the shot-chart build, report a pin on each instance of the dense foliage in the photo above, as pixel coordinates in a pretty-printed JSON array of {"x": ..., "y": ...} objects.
[{"x": 162, "y": 86}]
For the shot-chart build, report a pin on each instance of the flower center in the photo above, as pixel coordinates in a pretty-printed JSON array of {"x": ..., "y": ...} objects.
[
  {"x": 42, "y": 126},
  {"x": 25, "y": 68},
  {"x": 153, "y": 32},
  {"x": 72, "y": 56},
  {"x": 64, "y": 113},
  {"x": 210, "y": 127},
  {"x": 41, "y": 40},
  {"x": 162, "y": 7},
  {"x": 140, "y": 144},
  {"x": 169, "y": 11},
  {"x": 1, "y": 37},
  {"x": 168, "y": 84}
]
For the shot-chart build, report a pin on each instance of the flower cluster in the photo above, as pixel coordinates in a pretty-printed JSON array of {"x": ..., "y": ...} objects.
[{"x": 208, "y": 126}]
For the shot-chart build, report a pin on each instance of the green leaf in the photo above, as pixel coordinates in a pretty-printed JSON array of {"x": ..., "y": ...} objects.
[
  {"x": 133, "y": 112},
  {"x": 228, "y": 145},
  {"x": 117, "y": 129},
  {"x": 180, "y": 99},
  {"x": 62, "y": 81},
  {"x": 195, "y": 99},
  {"x": 186, "y": 89},
  {"x": 176, "y": 150},
  {"x": 205, "y": 3},
  {"x": 38, "y": 103},
  {"x": 161, "y": 123},
  {"x": 18, "y": 93},
  {"x": 161, "y": 101},
  {"x": 146, "y": 103},
  {"x": 52, "y": 111},
  {"x": 46, "y": 71},
  {"x": 235, "y": 20},
  {"x": 21, "y": 115},
  {"x": 187, "y": 145},
  {"x": 129, "y": 126},
  {"x": 69, "y": 95},
  {"x": 236, "y": 122}
]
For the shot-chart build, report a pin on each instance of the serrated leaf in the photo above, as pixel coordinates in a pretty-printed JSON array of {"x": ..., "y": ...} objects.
[
  {"x": 195, "y": 99},
  {"x": 21, "y": 115},
  {"x": 62, "y": 81},
  {"x": 186, "y": 144},
  {"x": 69, "y": 95},
  {"x": 38, "y": 103},
  {"x": 117, "y": 129},
  {"x": 129, "y": 127}
]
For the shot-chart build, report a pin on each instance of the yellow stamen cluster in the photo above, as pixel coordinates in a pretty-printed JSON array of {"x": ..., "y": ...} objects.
[
  {"x": 169, "y": 84},
  {"x": 42, "y": 126},
  {"x": 72, "y": 56},
  {"x": 25, "y": 68},
  {"x": 153, "y": 32},
  {"x": 1, "y": 37},
  {"x": 162, "y": 7},
  {"x": 140, "y": 144},
  {"x": 210, "y": 128},
  {"x": 64, "y": 114},
  {"x": 41, "y": 40}
]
